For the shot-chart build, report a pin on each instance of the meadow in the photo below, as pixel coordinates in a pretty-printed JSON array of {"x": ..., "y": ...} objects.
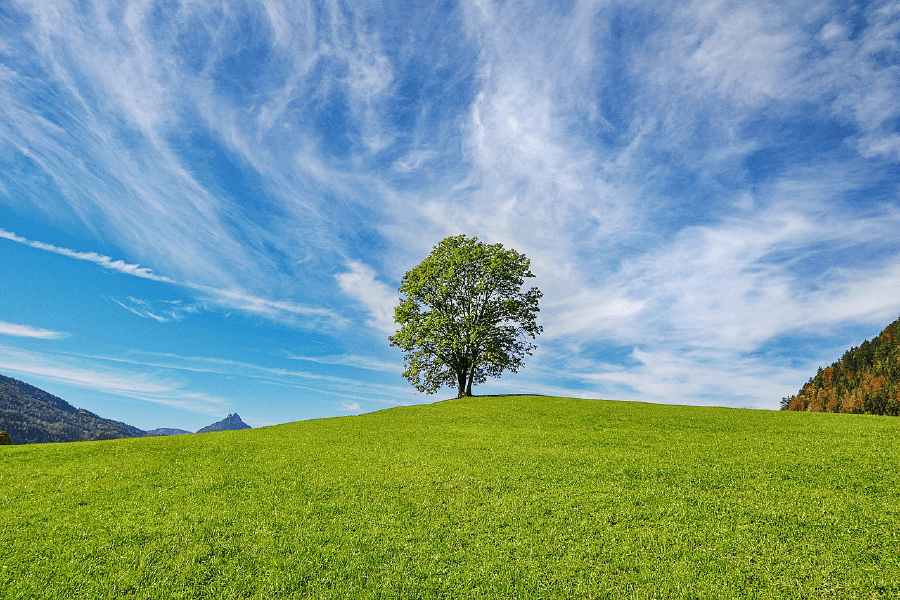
[{"x": 511, "y": 496}]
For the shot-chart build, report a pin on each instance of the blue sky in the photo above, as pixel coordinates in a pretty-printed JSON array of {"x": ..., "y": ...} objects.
[{"x": 207, "y": 207}]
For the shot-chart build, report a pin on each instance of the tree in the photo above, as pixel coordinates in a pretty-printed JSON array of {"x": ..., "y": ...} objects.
[
  {"x": 464, "y": 316},
  {"x": 5, "y": 440}
]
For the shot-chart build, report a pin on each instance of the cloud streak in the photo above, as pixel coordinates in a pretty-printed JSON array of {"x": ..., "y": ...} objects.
[
  {"x": 321, "y": 383},
  {"x": 172, "y": 310},
  {"x": 143, "y": 387},
  {"x": 30, "y": 332},
  {"x": 106, "y": 262},
  {"x": 350, "y": 360},
  {"x": 236, "y": 299}
]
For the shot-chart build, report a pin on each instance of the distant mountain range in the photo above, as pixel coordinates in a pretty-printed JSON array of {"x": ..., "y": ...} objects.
[
  {"x": 865, "y": 380},
  {"x": 32, "y": 416},
  {"x": 165, "y": 431}
]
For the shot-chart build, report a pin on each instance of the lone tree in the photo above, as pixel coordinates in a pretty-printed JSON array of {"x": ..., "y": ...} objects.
[{"x": 464, "y": 316}]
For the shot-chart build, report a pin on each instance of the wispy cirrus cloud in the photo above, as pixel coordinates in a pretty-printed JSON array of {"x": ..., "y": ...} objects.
[
  {"x": 30, "y": 332},
  {"x": 161, "y": 312},
  {"x": 697, "y": 378},
  {"x": 351, "y": 360},
  {"x": 361, "y": 283},
  {"x": 98, "y": 259},
  {"x": 236, "y": 299},
  {"x": 278, "y": 310},
  {"x": 139, "y": 386},
  {"x": 321, "y": 383}
]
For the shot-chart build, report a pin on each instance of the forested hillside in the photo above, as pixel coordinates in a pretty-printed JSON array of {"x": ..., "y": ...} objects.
[
  {"x": 865, "y": 380},
  {"x": 31, "y": 415}
]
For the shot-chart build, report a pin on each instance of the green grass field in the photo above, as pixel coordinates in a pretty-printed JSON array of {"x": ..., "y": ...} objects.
[{"x": 484, "y": 497}]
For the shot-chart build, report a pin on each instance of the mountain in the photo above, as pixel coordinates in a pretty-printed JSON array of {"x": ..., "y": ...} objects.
[
  {"x": 32, "y": 416},
  {"x": 165, "y": 431},
  {"x": 229, "y": 423},
  {"x": 865, "y": 380}
]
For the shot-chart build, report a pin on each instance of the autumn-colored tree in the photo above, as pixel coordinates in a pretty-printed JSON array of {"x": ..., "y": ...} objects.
[{"x": 866, "y": 379}]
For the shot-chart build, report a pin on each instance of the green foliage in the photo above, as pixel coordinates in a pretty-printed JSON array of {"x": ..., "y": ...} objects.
[
  {"x": 520, "y": 497},
  {"x": 5, "y": 440},
  {"x": 865, "y": 380},
  {"x": 464, "y": 316}
]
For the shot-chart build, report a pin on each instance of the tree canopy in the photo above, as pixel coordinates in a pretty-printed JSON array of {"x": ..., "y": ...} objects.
[
  {"x": 464, "y": 316},
  {"x": 865, "y": 380}
]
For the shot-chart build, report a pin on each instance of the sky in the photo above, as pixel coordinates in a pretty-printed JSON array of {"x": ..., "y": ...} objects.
[{"x": 208, "y": 207}]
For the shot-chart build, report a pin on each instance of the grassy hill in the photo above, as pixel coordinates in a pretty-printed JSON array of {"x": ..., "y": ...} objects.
[{"x": 477, "y": 497}]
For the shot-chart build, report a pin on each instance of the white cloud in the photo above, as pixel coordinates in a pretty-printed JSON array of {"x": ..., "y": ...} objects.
[
  {"x": 351, "y": 360},
  {"x": 143, "y": 387},
  {"x": 726, "y": 286},
  {"x": 361, "y": 284},
  {"x": 594, "y": 312},
  {"x": 700, "y": 378},
  {"x": 746, "y": 55},
  {"x": 832, "y": 32},
  {"x": 237, "y": 299},
  {"x": 861, "y": 78},
  {"x": 415, "y": 160},
  {"x": 351, "y": 406},
  {"x": 98, "y": 259},
  {"x": 319, "y": 383},
  {"x": 30, "y": 332},
  {"x": 161, "y": 312},
  {"x": 277, "y": 310}
]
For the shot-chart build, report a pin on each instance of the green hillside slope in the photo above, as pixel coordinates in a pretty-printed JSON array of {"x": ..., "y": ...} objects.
[{"x": 515, "y": 497}]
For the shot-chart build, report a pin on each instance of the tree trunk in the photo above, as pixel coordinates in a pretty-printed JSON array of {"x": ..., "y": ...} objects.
[
  {"x": 461, "y": 382},
  {"x": 470, "y": 377}
]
